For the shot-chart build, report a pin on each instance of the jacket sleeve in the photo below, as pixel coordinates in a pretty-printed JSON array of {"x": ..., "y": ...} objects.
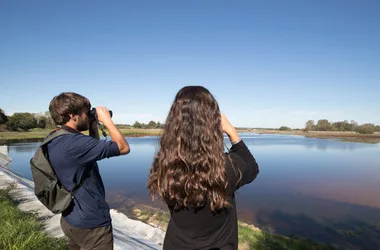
[{"x": 245, "y": 168}]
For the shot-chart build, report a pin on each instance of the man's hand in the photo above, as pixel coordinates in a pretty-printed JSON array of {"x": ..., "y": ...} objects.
[
  {"x": 116, "y": 136},
  {"x": 103, "y": 115}
]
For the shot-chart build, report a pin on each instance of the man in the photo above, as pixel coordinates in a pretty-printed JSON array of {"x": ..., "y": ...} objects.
[{"x": 87, "y": 222}]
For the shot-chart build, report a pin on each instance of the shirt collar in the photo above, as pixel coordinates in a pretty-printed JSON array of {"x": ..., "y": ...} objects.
[{"x": 69, "y": 129}]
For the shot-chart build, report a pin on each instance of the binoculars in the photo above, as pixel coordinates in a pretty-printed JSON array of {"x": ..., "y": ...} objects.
[{"x": 93, "y": 114}]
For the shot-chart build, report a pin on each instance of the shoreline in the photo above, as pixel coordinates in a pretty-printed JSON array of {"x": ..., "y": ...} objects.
[
  {"x": 347, "y": 136},
  {"x": 39, "y": 135},
  {"x": 128, "y": 233},
  {"x": 145, "y": 232}
]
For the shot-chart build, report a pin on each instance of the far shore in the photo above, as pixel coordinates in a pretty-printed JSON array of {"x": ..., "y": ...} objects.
[
  {"x": 39, "y": 134},
  {"x": 339, "y": 135}
]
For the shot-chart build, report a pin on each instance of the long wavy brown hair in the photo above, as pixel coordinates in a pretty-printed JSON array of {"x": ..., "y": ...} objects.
[{"x": 189, "y": 168}]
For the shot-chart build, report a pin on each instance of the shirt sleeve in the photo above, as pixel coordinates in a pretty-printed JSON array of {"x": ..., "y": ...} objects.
[
  {"x": 87, "y": 149},
  {"x": 245, "y": 168}
]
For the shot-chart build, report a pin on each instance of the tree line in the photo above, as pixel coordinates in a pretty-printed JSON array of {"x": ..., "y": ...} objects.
[
  {"x": 150, "y": 125},
  {"x": 325, "y": 125},
  {"x": 26, "y": 121}
]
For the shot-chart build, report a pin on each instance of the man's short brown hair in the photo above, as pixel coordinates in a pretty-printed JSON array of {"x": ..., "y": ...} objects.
[{"x": 66, "y": 103}]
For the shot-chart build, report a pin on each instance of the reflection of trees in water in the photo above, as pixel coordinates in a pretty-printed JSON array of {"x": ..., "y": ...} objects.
[
  {"x": 323, "y": 144},
  {"x": 350, "y": 234},
  {"x": 290, "y": 213},
  {"x": 24, "y": 148},
  {"x": 345, "y": 225},
  {"x": 14, "y": 142}
]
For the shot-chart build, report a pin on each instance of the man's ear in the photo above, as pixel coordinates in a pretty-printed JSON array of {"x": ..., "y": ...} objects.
[{"x": 73, "y": 117}]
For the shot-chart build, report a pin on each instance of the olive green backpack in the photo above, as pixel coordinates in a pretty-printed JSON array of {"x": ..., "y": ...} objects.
[{"x": 47, "y": 186}]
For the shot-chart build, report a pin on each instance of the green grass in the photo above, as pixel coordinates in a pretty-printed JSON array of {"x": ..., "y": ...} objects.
[
  {"x": 152, "y": 216},
  {"x": 140, "y": 132},
  {"x": 22, "y": 230}
]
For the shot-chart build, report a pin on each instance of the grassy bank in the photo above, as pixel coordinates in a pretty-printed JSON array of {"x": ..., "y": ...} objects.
[
  {"x": 343, "y": 136},
  {"x": 250, "y": 237},
  {"x": 21, "y": 230}
]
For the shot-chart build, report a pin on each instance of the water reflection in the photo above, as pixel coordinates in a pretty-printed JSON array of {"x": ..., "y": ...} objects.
[
  {"x": 322, "y": 189},
  {"x": 348, "y": 234}
]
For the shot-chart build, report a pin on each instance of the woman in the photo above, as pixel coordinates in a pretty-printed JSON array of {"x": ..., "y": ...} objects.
[{"x": 194, "y": 176}]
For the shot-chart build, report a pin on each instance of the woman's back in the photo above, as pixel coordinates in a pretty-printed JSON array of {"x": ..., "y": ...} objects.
[
  {"x": 195, "y": 178},
  {"x": 203, "y": 229}
]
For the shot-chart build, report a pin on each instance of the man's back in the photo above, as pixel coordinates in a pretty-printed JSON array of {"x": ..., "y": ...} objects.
[{"x": 74, "y": 157}]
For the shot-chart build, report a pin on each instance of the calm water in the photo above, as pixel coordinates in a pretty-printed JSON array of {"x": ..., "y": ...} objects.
[{"x": 326, "y": 190}]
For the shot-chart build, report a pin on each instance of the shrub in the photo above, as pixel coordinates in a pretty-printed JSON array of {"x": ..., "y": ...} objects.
[
  {"x": 367, "y": 128},
  {"x": 284, "y": 128}
]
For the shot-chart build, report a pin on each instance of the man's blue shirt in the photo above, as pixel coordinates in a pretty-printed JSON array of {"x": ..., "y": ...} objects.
[{"x": 73, "y": 157}]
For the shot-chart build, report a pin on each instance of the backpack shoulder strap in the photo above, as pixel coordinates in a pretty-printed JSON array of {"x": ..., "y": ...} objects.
[{"x": 54, "y": 134}]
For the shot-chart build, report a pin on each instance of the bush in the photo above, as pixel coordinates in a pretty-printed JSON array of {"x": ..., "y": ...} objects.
[
  {"x": 3, "y": 117},
  {"x": 3, "y": 128},
  {"x": 284, "y": 128},
  {"x": 22, "y": 121},
  {"x": 367, "y": 128},
  {"x": 42, "y": 122},
  {"x": 324, "y": 125},
  {"x": 377, "y": 128}
]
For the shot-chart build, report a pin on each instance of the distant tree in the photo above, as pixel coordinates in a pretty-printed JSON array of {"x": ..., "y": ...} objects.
[
  {"x": 41, "y": 122},
  {"x": 336, "y": 126},
  {"x": 49, "y": 121},
  {"x": 3, "y": 128},
  {"x": 340, "y": 126},
  {"x": 3, "y": 117},
  {"x": 23, "y": 121},
  {"x": 159, "y": 125},
  {"x": 324, "y": 125},
  {"x": 284, "y": 128},
  {"x": 377, "y": 128},
  {"x": 151, "y": 124},
  {"x": 349, "y": 127},
  {"x": 354, "y": 124},
  {"x": 367, "y": 128},
  {"x": 137, "y": 125},
  {"x": 309, "y": 125}
]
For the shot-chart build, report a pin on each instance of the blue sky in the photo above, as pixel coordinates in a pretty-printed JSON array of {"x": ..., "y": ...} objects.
[{"x": 268, "y": 63}]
